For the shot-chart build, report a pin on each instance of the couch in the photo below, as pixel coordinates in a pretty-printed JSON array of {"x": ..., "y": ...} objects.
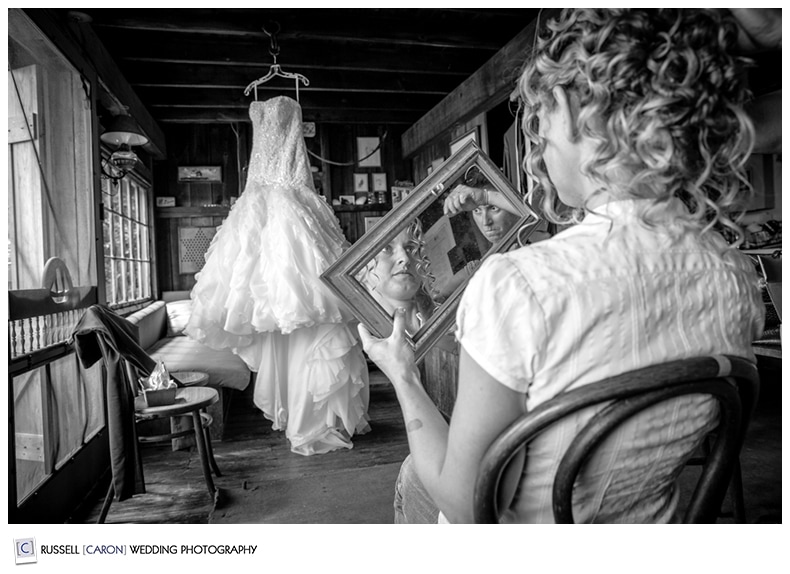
[{"x": 160, "y": 328}]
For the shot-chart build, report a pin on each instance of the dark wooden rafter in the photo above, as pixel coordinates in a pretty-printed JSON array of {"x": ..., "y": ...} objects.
[
  {"x": 300, "y": 55},
  {"x": 209, "y": 77},
  {"x": 458, "y": 29},
  {"x": 192, "y": 65},
  {"x": 329, "y": 116},
  {"x": 157, "y": 98}
]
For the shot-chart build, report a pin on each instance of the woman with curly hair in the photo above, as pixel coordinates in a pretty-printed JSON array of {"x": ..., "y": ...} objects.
[{"x": 637, "y": 128}]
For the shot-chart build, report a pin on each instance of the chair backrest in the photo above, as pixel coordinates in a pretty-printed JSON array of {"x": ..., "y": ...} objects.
[{"x": 733, "y": 381}]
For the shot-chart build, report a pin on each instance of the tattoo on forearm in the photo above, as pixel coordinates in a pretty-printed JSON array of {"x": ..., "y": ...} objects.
[{"x": 414, "y": 425}]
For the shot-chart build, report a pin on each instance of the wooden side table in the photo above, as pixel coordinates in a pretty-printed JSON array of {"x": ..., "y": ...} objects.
[
  {"x": 217, "y": 410},
  {"x": 190, "y": 404}
]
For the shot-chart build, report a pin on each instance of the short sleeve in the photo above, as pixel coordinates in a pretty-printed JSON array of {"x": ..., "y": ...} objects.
[{"x": 501, "y": 324}]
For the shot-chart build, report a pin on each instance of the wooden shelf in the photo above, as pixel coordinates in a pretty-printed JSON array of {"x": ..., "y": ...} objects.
[
  {"x": 376, "y": 207},
  {"x": 196, "y": 211}
]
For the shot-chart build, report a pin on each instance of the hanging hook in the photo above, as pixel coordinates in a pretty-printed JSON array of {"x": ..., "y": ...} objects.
[{"x": 274, "y": 46}]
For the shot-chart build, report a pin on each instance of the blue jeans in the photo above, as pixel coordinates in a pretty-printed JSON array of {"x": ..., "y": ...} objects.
[{"x": 412, "y": 503}]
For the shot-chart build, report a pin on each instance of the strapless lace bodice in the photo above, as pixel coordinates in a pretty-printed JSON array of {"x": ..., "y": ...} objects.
[{"x": 279, "y": 154}]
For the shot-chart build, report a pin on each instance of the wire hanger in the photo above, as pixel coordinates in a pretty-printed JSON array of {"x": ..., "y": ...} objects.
[{"x": 275, "y": 70}]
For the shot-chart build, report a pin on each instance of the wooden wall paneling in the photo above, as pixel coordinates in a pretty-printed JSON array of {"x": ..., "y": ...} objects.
[
  {"x": 189, "y": 143},
  {"x": 244, "y": 153},
  {"x": 63, "y": 235},
  {"x": 498, "y": 120},
  {"x": 221, "y": 148},
  {"x": 234, "y": 157},
  {"x": 197, "y": 148},
  {"x": 166, "y": 182},
  {"x": 175, "y": 276},
  {"x": 348, "y": 223},
  {"x": 23, "y": 175},
  {"x": 164, "y": 256},
  {"x": 342, "y": 146}
]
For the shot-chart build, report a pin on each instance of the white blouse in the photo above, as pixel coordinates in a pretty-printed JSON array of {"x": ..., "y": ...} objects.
[{"x": 603, "y": 297}]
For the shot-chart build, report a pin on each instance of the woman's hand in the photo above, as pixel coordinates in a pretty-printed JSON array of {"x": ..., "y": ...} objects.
[
  {"x": 464, "y": 198},
  {"x": 393, "y": 355}
]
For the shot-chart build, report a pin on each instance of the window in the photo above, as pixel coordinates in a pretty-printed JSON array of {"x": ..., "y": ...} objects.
[
  {"x": 50, "y": 179},
  {"x": 57, "y": 405},
  {"x": 127, "y": 235}
]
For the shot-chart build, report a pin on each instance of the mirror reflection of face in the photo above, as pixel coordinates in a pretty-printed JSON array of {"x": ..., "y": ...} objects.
[
  {"x": 493, "y": 222},
  {"x": 394, "y": 275}
]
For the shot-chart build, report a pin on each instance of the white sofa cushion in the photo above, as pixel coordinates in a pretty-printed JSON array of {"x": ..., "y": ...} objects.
[{"x": 184, "y": 354}]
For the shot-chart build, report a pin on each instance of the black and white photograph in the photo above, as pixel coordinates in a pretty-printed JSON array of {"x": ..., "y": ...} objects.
[{"x": 228, "y": 310}]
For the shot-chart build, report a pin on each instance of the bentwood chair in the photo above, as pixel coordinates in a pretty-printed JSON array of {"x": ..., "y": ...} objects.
[
  {"x": 103, "y": 335},
  {"x": 733, "y": 381}
]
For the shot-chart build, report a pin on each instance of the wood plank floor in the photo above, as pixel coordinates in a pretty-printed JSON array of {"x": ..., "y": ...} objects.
[{"x": 263, "y": 481}]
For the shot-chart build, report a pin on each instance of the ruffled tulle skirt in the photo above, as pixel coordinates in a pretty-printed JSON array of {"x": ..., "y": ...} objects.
[
  {"x": 312, "y": 383},
  {"x": 263, "y": 266},
  {"x": 260, "y": 295}
]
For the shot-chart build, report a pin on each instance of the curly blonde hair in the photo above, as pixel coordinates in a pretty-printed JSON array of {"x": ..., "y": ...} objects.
[
  {"x": 368, "y": 277},
  {"x": 661, "y": 93}
]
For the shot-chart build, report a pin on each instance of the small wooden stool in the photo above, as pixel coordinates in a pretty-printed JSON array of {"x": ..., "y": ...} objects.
[
  {"x": 217, "y": 410},
  {"x": 190, "y": 401}
]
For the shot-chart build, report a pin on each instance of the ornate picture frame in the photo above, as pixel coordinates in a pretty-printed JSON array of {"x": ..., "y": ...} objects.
[
  {"x": 200, "y": 174},
  {"x": 425, "y": 205}
]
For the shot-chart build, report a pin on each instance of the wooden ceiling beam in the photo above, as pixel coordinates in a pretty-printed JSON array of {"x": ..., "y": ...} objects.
[
  {"x": 236, "y": 115},
  {"x": 175, "y": 97},
  {"x": 298, "y": 56},
  {"x": 459, "y": 29},
  {"x": 157, "y": 74}
]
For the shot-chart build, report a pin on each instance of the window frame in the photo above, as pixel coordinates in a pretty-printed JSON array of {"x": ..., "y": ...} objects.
[{"x": 140, "y": 256}]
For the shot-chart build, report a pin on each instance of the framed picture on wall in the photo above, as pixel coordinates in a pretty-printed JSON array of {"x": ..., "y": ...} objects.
[
  {"x": 360, "y": 182},
  {"x": 446, "y": 245},
  {"x": 369, "y": 152},
  {"x": 200, "y": 174},
  {"x": 379, "y": 182}
]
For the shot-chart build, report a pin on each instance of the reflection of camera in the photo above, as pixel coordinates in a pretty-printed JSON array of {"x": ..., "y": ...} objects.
[{"x": 473, "y": 177}]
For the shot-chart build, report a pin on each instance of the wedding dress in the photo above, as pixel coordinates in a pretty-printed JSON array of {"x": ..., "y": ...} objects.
[{"x": 259, "y": 293}]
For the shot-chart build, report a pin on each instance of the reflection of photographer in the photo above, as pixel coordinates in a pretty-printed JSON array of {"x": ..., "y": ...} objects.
[
  {"x": 492, "y": 213},
  {"x": 476, "y": 191}
]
